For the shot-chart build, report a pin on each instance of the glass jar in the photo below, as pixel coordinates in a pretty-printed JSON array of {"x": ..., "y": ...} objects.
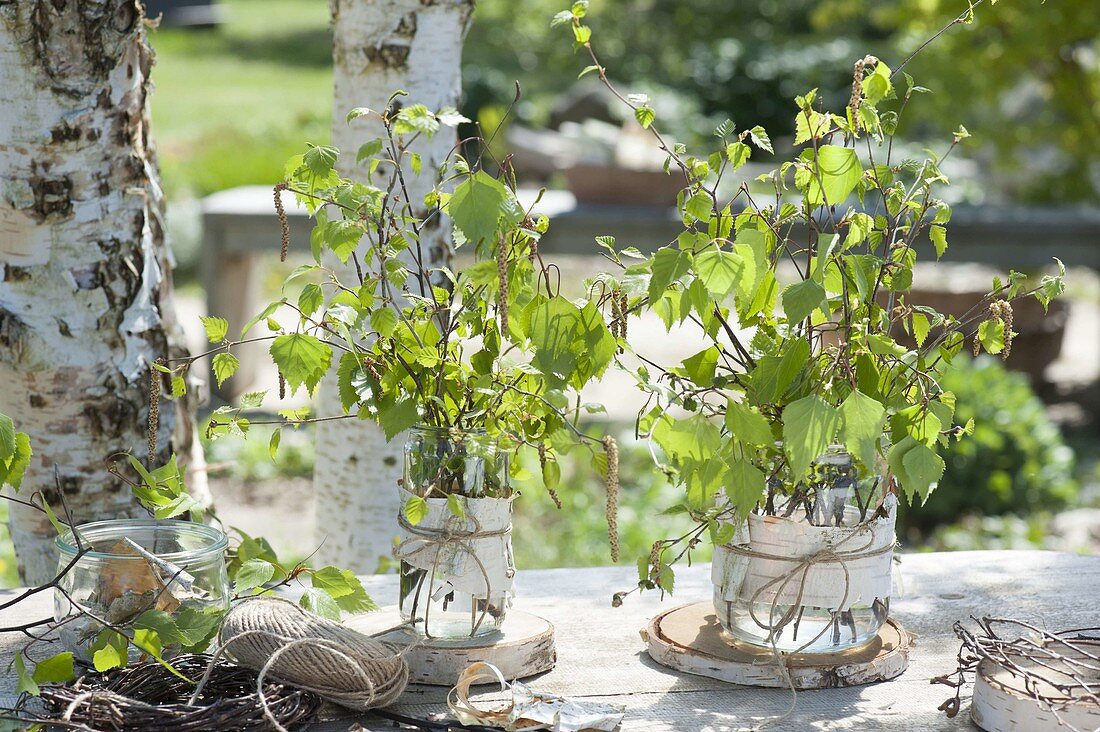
[
  {"x": 135, "y": 565},
  {"x": 456, "y": 558},
  {"x": 815, "y": 577}
]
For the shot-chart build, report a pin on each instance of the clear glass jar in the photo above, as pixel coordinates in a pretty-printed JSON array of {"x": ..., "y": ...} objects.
[
  {"x": 176, "y": 566},
  {"x": 838, "y": 600},
  {"x": 456, "y": 561}
]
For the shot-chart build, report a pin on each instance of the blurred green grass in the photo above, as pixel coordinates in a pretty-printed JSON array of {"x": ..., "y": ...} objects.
[{"x": 232, "y": 103}]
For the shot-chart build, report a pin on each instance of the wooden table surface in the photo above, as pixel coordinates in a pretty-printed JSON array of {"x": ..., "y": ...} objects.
[{"x": 601, "y": 655}]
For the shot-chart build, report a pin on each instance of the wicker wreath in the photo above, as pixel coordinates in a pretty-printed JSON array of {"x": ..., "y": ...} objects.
[{"x": 149, "y": 698}]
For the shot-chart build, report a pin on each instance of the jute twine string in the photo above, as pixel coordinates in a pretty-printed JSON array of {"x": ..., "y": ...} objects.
[
  {"x": 454, "y": 532},
  {"x": 830, "y": 554},
  {"x": 296, "y": 647}
]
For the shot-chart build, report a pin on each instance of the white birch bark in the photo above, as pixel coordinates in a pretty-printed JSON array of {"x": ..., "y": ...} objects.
[
  {"x": 381, "y": 46},
  {"x": 85, "y": 282}
]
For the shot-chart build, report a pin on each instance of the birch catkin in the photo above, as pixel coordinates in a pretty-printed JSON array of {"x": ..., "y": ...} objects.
[
  {"x": 154, "y": 413},
  {"x": 283, "y": 223},
  {"x": 502, "y": 278},
  {"x": 611, "y": 448}
]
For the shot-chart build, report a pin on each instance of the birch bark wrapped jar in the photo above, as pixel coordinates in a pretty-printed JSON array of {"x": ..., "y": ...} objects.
[
  {"x": 815, "y": 577},
  {"x": 455, "y": 547}
]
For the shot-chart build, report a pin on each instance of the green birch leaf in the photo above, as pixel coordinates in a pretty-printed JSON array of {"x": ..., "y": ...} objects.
[
  {"x": 302, "y": 359},
  {"x": 556, "y": 328},
  {"x": 991, "y": 333},
  {"x": 179, "y": 386},
  {"x": 938, "y": 235},
  {"x": 666, "y": 578},
  {"x": 384, "y": 321},
  {"x": 15, "y": 467},
  {"x": 7, "y": 437},
  {"x": 320, "y": 159},
  {"x": 347, "y": 373},
  {"x": 923, "y": 469},
  {"x": 921, "y": 326},
  {"x": 113, "y": 654},
  {"x": 162, "y": 624},
  {"x": 476, "y": 207},
  {"x": 225, "y": 365},
  {"x": 760, "y": 139},
  {"x": 398, "y": 416},
  {"x": 252, "y": 399},
  {"x": 918, "y": 422},
  {"x": 52, "y": 517},
  {"x": 197, "y": 626},
  {"x": 668, "y": 265},
  {"x": 695, "y": 438},
  {"x": 333, "y": 580},
  {"x": 252, "y": 574},
  {"x": 24, "y": 681},
  {"x": 802, "y": 298},
  {"x": 808, "y": 428},
  {"x": 704, "y": 480},
  {"x": 273, "y": 443},
  {"x": 839, "y": 170},
  {"x": 699, "y": 205},
  {"x": 55, "y": 669},
  {"x": 215, "y": 327},
  {"x": 416, "y": 508},
  {"x": 720, "y": 271},
  {"x": 774, "y": 374},
  {"x": 747, "y": 425},
  {"x": 368, "y": 149},
  {"x": 454, "y": 505},
  {"x": 744, "y": 486},
  {"x": 310, "y": 299},
  {"x": 700, "y": 367},
  {"x": 862, "y": 421},
  {"x": 320, "y": 603},
  {"x": 738, "y": 154}
]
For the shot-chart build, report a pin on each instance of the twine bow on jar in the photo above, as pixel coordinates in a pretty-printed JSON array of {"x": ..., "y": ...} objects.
[
  {"x": 433, "y": 547},
  {"x": 829, "y": 554}
]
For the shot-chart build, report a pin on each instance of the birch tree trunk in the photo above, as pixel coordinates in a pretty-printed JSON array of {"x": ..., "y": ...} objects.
[
  {"x": 85, "y": 283},
  {"x": 381, "y": 46}
]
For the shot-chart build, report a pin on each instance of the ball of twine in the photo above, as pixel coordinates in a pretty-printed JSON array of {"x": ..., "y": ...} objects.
[{"x": 289, "y": 644}]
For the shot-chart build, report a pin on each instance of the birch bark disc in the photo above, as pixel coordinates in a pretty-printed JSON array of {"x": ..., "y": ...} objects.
[
  {"x": 690, "y": 639},
  {"x": 524, "y": 646},
  {"x": 381, "y": 46},
  {"x": 85, "y": 276}
]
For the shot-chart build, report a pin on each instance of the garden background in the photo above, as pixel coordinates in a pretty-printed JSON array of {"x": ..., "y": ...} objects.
[{"x": 234, "y": 101}]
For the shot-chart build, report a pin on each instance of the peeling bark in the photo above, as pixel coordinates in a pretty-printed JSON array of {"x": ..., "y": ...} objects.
[
  {"x": 381, "y": 46},
  {"x": 85, "y": 276}
]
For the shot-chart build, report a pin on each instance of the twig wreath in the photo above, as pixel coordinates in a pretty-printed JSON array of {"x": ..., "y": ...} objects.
[
  {"x": 1058, "y": 671},
  {"x": 148, "y": 697}
]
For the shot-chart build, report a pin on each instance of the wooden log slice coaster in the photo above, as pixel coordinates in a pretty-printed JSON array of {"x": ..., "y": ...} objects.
[
  {"x": 690, "y": 639},
  {"x": 524, "y": 646},
  {"x": 1002, "y": 704}
]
